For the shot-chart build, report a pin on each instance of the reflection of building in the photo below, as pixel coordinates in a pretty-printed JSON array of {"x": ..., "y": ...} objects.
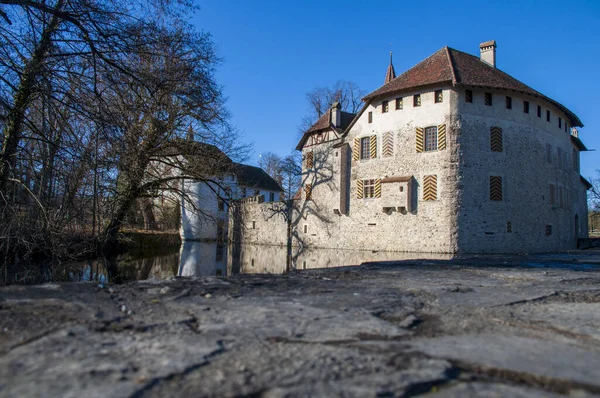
[
  {"x": 202, "y": 259},
  {"x": 204, "y": 209},
  {"x": 451, "y": 156}
]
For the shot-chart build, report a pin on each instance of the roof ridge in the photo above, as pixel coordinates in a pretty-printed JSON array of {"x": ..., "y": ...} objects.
[{"x": 451, "y": 61}]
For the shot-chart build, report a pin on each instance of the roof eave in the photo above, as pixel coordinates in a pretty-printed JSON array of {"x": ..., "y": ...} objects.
[{"x": 579, "y": 144}]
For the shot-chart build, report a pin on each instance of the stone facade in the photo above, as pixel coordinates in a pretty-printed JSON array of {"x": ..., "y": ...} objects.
[{"x": 443, "y": 168}]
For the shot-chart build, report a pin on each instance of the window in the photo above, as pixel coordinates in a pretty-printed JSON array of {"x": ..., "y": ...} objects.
[
  {"x": 496, "y": 139},
  {"x": 439, "y": 96},
  {"x": 253, "y": 224},
  {"x": 547, "y": 116},
  {"x": 417, "y": 100},
  {"x": 468, "y": 95},
  {"x": 560, "y": 123},
  {"x": 488, "y": 99},
  {"x": 220, "y": 204},
  {"x": 566, "y": 128},
  {"x": 431, "y": 139},
  {"x": 368, "y": 188},
  {"x": 539, "y": 111},
  {"x": 305, "y": 228},
  {"x": 496, "y": 188},
  {"x": 552, "y": 195},
  {"x": 430, "y": 187},
  {"x": 256, "y": 192},
  {"x": 548, "y": 230},
  {"x": 370, "y": 117},
  {"x": 308, "y": 191},
  {"x": 548, "y": 153},
  {"x": 508, "y": 102},
  {"x": 365, "y": 148},
  {"x": 385, "y": 106},
  {"x": 399, "y": 104},
  {"x": 525, "y": 106},
  {"x": 244, "y": 192},
  {"x": 508, "y": 227},
  {"x": 271, "y": 196}
]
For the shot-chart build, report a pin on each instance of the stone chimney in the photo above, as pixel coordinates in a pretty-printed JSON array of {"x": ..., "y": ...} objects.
[
  {"x": 487, "y": 52},
  {"x": 336, "y": 114}
]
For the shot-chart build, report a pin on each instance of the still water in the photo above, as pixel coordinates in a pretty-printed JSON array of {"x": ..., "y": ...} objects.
[{"x": 194, "y": 259}]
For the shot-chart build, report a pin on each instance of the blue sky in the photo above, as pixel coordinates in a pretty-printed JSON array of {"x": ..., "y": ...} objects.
[{"x": 274, "y": 52}]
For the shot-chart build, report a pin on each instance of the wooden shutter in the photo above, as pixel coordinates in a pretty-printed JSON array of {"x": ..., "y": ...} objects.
[
  {"x": 378, "y": 188},
  {"x": 310, "y": 160},
  {"x": 373, "y": 142},
  {"x": 441, "y": 137},
  {"x": 496, "y": 139},
  {"x": 308, "y": 191},
  {"x": 496, "y": 188},
  {"x": 356, "y": 149},
  {"x": 420, "y": 139},
  {"x": 359, "y": 189},
  {"x": 387, "y": 145},
  {"x": 430, "y": 187}
]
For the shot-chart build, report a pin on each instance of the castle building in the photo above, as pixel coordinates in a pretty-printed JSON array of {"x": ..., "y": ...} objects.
[{"x": 451, "y": 156}]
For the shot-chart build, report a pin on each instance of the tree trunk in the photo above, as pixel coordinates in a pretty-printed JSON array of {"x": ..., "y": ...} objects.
[{"x": 23, "y": 97}]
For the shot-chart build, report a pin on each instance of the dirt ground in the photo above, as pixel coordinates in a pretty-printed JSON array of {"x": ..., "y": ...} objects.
[{"x": 477, "y": 326}]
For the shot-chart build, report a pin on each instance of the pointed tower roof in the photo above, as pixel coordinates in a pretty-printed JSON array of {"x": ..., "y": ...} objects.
[{"x": 391, "y": 73}]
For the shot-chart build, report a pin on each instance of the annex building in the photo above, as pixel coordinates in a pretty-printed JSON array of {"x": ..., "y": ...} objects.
[{"x": 451, "y": 156}]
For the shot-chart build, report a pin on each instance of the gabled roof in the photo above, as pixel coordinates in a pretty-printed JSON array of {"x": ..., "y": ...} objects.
[
  {"x": 255, "y": 177},
  {"x": 324, "y": 123},
  {"x": 458, "y": 68}
]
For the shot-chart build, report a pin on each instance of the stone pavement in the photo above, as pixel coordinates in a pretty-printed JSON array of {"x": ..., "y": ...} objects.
[{"x": 478, "y": 326}]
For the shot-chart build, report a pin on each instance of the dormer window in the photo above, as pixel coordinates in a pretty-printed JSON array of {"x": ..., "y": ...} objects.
[
  {"x": 385, "y": 107},
  {"x": 417, "y": 100}
]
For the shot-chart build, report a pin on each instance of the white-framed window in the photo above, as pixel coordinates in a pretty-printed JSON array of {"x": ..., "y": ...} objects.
[
  {"x": 365, "y": 148},
  {"x": 431, "y": 138},
  {"x": 369, "y": 188}
]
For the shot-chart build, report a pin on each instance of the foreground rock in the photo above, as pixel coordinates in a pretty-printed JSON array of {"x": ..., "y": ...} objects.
[{"x": 472, "y": 327}]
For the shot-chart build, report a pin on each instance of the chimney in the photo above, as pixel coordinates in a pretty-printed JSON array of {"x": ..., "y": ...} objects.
[
  {"x": 336, "y": 114},
  {"x": 487, "y": 52}
]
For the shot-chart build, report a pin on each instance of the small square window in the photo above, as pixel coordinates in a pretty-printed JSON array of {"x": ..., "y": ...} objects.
[
  {"x": 508, "y": 102},
  {"x": 399, "y": 104},
  {"x": 439, "y": 96},
  {"x": 468, "y": 95},
  {"x": 560, "y": 123},
  {"x": 370, "y": 117},
  {"x": 417, "y": 100},
  {"x": 547, "y": 116},
  {"x": 539, "y": 111},
  {"x": 385, "y": 106},
  {"x": 525, "y": 106},
  {"x": 488, "y": 99}
]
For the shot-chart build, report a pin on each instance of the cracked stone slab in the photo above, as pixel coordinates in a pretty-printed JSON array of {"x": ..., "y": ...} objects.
[
  {"x": 79, "y": 363},
  {"x": 546, "y": 359}
]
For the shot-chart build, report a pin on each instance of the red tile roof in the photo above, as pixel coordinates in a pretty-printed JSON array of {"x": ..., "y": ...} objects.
[
  {"x": 324, "y": 123},
  {"x": 458, "y": 68}
]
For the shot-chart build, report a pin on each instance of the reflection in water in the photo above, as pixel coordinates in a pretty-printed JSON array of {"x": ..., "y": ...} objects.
[{"x": 196, "y": 259}]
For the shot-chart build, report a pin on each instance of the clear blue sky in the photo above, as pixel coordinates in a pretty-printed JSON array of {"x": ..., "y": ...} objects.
[{"x": 276, "y": 51}]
